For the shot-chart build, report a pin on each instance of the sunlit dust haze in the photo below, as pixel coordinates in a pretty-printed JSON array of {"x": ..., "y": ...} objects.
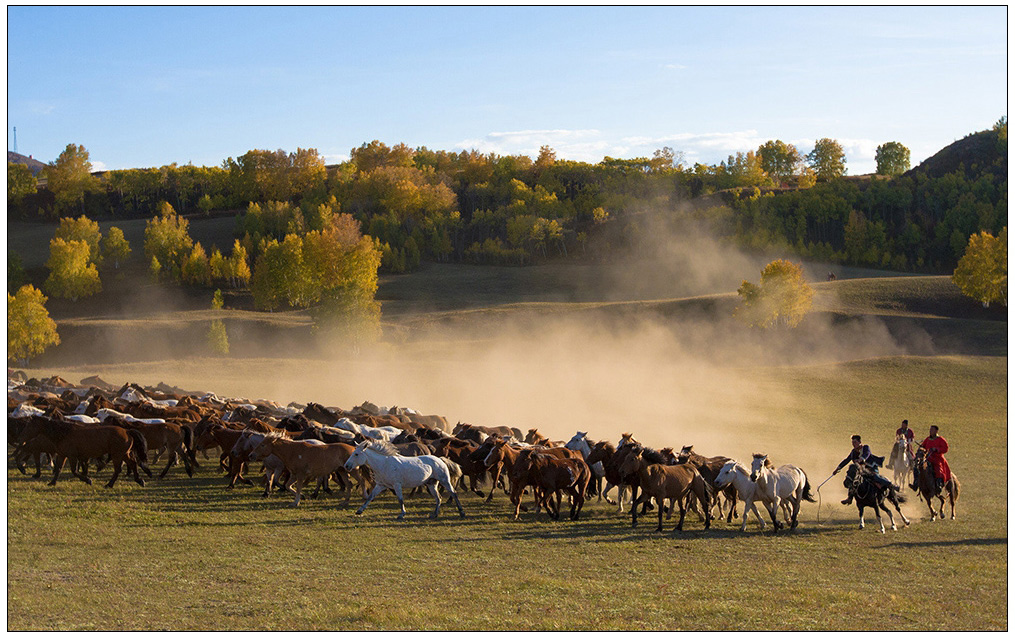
[{"x": 654, "y": 351}]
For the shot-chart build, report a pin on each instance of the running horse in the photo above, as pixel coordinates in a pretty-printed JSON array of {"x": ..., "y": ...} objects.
[{"x": 926, "y": 486}]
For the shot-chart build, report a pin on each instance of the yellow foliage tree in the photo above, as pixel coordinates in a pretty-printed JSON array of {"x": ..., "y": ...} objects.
[
  {"x": 71, "y": 274},
  {"x": 30, "y": 330},
  {"x": 982, "y": 273},
  {"x": 781, "y": 298}
]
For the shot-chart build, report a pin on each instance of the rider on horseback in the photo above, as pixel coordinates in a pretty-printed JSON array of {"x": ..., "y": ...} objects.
[
  {"x": 936, "y": 446},
  {"x": 861, "y": 455},
  {"x": 907, "y": 433}
]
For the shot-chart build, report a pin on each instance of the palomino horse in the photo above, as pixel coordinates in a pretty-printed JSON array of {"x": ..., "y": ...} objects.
[
  {"x": 869, "y": 494},
  {"x": 900, "y": 462},
  {"x": 305, "y": 460},
  {"x": 395, "y": 473},
  {"x": 923, "y": 473},
  {"x": 789, "y": 482},
  {"x": 661, "y": 482},
  {"x": 735, "y": 475}
]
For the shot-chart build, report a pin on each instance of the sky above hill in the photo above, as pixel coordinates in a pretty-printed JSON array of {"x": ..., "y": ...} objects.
[{"x": 149, "y": 86}]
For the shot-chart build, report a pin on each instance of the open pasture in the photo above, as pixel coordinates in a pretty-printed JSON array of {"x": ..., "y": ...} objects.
[{"x": 189, "y": 554}]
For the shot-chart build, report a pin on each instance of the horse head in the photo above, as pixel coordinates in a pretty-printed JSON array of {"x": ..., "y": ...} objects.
[
  {"x": 685, "y": 453},
  {"x": 631, "y": 463},
  {"x": 760, "y": 461},
  {"x": 725, "y": 475}
]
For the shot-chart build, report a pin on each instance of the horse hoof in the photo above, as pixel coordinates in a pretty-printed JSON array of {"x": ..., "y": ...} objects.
[{"x": 894, "y": 529}]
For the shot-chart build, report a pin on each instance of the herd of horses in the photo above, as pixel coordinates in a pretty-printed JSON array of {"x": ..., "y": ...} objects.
[{"x": 373, "y": 449}]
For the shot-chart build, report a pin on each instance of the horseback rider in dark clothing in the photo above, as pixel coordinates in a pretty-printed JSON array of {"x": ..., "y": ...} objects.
[{"x": 861, "y": 455}]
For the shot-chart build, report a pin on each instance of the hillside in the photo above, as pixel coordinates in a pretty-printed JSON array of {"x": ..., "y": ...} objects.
[{"x": 976, "y": 150}]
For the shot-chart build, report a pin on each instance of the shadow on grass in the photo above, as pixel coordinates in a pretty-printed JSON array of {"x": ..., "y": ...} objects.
[{"x": 999, "y": 541}]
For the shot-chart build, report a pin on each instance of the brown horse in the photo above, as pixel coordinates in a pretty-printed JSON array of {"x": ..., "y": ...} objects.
[
  {"x": 923, "y": 473},
  {"x": 81, "y": 442},
  {"x": 175, "y": 438},
  {"x": 604, "y": 452},
  {"x": 460, "y": 451},
  {"x": 306, "y": 461},
  {"x": 553, "y": 475},
  {"x": 666, "y": 482},
  {"x": 513, "y": 462},
  {"x": 710, "y": 468}
]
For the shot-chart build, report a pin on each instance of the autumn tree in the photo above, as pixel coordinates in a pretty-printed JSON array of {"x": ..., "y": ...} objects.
[
  {"x": 827, "y": 159},
  {"x": 30, "y": 330},
  {"x": 196, "y": 269},
  {"x": 115, "y": 248},
  {"x": 82, "y": 229},
  {"x": 779, "y": 160},
  {"x": 71, "y": 273},
  {"x": 370, "y": 156},
  {"x": 167, "y": 241},
  {"x": 982, "y": 273},
  {"x": 70, "y": 176},
  {"x": 781, "y": 298},
  {"x": 892, "y": 158},
  {"x": 20, "y": 182}
]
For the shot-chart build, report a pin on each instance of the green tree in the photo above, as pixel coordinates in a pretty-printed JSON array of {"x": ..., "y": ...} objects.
[
  {"x": 69, "y": 178},
  {"x": 892, "y": 158},
  {"x": 115, "y": 248},
  {"x": 217, "y": 301},
  {"x": 779, "y": 160},
  {"x": 20, "y": 182},
  {"x": 167, "y": 240},
  {"x": 82, "y": 229},
  {"x": 16, "y": 274},
  {"x": 982, "y": 272},
  {"x": 218, "y": 339},
  {"x": 71, "y": 274},
  {"x": 30, "y": 330},
  {"x": 195, "y": 269},
  {"x": 781, "y": 298},
  {"x": 827, "y": 159}
]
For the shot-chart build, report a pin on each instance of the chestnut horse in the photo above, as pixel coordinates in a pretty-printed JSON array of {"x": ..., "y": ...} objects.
[
  {"x": 661, "y": 482},
  {"x": 306, "y": 461}
]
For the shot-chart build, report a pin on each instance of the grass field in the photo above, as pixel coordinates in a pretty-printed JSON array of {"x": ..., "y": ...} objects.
[{"x": 189, "y": 554}]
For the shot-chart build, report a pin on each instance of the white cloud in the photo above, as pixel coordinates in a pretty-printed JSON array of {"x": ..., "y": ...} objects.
[
  {"x": 709, "y": 148},
  {"x": 98, "y": 166}
]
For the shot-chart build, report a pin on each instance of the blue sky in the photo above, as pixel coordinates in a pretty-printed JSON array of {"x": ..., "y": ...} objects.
[{"x": 149, "y": 86}]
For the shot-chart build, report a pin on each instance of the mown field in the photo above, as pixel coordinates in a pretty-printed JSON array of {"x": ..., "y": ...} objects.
[{"x": 189, "y": 554}]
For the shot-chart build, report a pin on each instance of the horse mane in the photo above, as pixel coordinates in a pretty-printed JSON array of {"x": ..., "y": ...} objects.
[{"x": 382, "y": 447}]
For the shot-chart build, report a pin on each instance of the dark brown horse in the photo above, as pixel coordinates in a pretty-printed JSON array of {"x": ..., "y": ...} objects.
[
  {"x": 551, "y": 476},
  {"x": 710, "y": 468},
  {"x": 80, "y": 442},
  {"x": 925, "y": 484}
]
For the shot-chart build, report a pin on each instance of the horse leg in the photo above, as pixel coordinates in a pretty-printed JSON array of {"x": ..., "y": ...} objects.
[
  {"x": 860, "y": 510},
  {"x": 401, "y": 502},
  {"x": 683, "y": 512},
  {"x": 169, "y": 463},
  {"x": 895, "y": 502},
  {"x": 877, "y": 513},
  {"x": 117, "y": 466},
  {"x": 891, "y": 516},
  {"x": 451, "y": 489},
  {"x": 58, "y": 463},
  {"x": 83, "y": 472},
  {"x": 186, "y": 461},
  {"x": 378, "y": 488},
  {"x": 297, "y": 490},
  {"x": 432, "y": 489},
  {"x": 659, "y": 528}
]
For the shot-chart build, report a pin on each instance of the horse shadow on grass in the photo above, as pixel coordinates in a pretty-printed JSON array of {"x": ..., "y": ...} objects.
[{"x": 997, "y": 541}]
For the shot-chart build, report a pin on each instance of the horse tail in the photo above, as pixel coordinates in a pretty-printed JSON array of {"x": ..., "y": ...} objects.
[
  {"x": 188, "y": 438},
  {"x": 807, "y": 496},
  {"x": 139, "y": 446}
]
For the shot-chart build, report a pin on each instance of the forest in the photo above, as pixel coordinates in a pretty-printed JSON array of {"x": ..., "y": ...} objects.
[{"x": 421, "y": 204}]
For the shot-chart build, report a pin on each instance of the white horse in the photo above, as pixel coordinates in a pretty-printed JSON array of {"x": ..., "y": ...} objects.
[
  {"x": 901, "y": 462},
  {"x": 774, "y": 486},
  {"x": 385, "y": 433},
  {"x": 394, "y": 472},
  {"x": 734, "y": 473},
  {"x": 580, "y": 443}
]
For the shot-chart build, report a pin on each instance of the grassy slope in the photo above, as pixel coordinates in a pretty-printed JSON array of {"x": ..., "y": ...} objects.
[{"x": 229, "y": 560}]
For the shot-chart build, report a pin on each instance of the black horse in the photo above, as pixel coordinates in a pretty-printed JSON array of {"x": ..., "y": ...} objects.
[{"x": 869, "y": 494}]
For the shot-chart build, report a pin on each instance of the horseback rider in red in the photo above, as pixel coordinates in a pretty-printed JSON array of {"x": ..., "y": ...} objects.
[{"x": 936, "y": 446}]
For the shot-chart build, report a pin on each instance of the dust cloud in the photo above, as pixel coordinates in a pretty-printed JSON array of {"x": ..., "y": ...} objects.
[{"x": 673, "y": 373}]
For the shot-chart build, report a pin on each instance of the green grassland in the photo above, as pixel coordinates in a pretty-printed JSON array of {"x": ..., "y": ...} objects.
[{"x": 189, "y": 554}]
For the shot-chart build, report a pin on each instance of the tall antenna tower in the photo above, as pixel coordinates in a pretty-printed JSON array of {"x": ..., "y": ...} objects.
[{"x": 15, "y": 139}]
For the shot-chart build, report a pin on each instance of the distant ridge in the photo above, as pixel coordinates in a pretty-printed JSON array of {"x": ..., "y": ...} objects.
[
  {"x": 33, "y": 165},
  {"x": 979, "y": 149}
]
